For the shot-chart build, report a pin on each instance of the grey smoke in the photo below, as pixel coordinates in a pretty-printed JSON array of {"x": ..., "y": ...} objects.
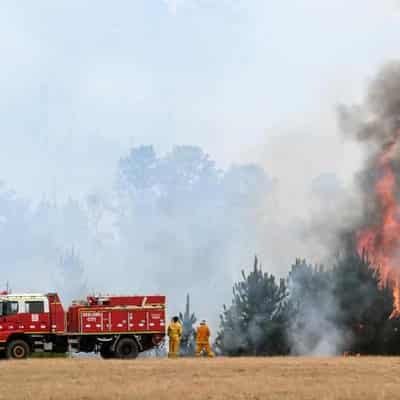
[
  {"x": 375, "y": 125},
  {"x": 312, "y": 330}
]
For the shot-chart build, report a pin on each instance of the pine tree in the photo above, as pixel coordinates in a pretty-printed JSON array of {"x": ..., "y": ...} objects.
[
  {"x": 346, "y": 308},
  {"x": 188, "y": 332},
  {"x": 255, "y": 322},
  {"x": 364, "y": 303}
]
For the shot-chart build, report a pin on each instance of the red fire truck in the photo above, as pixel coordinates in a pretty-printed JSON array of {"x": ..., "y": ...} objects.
[{"x": 114, "y": 326}]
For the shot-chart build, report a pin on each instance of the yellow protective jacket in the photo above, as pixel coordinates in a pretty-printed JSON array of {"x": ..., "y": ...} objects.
[
  {"x": 203, "y": 334},
  {"x": 175, "y": 330}
]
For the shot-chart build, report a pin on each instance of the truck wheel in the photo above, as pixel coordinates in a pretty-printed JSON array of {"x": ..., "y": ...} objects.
[
  {"x": 106, "y": 352},
  {"x": 127, "y": 348},
  {"x": 17, "y": 349}
]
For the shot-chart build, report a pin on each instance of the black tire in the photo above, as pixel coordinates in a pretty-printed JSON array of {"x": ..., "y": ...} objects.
[
  {"x": 106, "y": 352},
  {"x": 126, "y": 349},
  {"x": 17, "y": 350}
]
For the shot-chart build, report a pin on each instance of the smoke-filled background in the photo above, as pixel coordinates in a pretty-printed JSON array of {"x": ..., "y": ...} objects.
[{"x": 155, "y": 146}]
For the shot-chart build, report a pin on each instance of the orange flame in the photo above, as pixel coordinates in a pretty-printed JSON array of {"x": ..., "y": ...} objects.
[{"x": 382, "y": 241}]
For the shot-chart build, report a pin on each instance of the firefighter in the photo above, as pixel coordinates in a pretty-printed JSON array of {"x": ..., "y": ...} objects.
[
  {"x": 174, "y": 334},
  {"x": 203, "y": 340}
]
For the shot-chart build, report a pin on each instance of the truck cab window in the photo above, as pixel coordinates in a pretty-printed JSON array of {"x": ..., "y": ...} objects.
[
  {"x": 10, "y": 307},
  {"x": 1, "y": 309},
  {"x": 34, "y": 307}
]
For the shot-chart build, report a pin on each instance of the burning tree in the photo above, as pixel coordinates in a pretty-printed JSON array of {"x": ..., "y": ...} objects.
[
  {"x": 377, "y": 125},
  {"x": 320, "y": 311},
  {"x": 364, "y": 303},
  {"x": 342, "y": 308},
  {"x": 355, "y": 304}
]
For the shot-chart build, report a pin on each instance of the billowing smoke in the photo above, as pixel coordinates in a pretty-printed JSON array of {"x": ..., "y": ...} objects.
[
  {"x": 365, "y": 222},
  {"x": 376, "y": 126}
]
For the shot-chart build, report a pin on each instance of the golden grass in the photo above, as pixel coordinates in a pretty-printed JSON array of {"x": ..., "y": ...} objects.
[{"x": 352, "y": 378}]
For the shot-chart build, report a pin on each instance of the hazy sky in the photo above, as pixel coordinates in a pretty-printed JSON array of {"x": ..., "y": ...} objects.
[
  {"x": 81, "y": 81},
  {"x": 247, "y": 80}
]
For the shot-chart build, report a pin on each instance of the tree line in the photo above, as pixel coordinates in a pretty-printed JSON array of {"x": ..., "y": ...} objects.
[
  {"x": 162, "y": 213},
  {"x": 314, "y": 311}
]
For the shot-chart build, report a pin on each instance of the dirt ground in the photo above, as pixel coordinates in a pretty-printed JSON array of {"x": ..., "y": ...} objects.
[{"x": 221, "y": 378}]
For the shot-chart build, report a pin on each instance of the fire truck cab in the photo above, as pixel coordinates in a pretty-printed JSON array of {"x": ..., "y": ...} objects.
[
  {"x": 30, "y": 322},
  {"x": 114, "y": 326},
  {"x": 14, "y": 307}
]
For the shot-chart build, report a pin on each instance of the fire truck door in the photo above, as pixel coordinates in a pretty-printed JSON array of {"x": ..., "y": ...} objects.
[{"x": 36, "y": 316}]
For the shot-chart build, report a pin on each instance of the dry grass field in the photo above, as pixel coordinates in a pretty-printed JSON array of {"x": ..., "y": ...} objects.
[{"x": 222, "y": 378}]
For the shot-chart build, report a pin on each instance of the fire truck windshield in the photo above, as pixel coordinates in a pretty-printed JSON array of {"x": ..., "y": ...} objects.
[{"x": 1, "y": 308}]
